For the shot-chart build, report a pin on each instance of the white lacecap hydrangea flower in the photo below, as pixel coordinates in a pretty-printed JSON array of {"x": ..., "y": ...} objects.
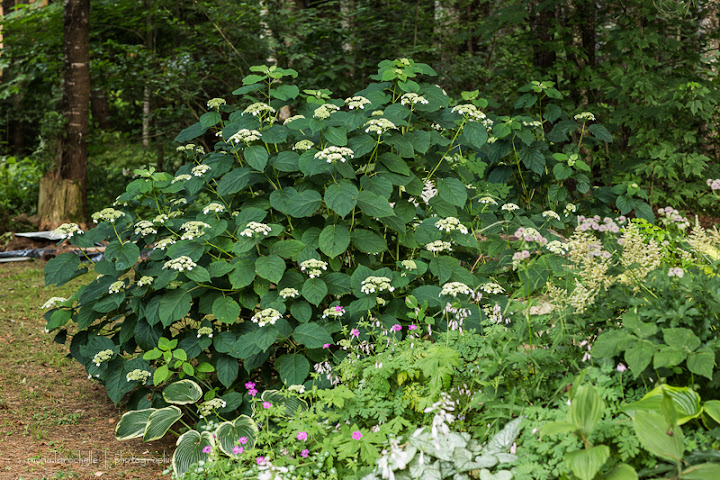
[
  {"x": 413, "y": 99},
  {"x": 289, "y": 292},
  {"x": 557, "y": 247},
  {"x": 585, "y": 117},
  {"x": 451, "y": 224},
  {"x": 145, "y": 227},
  {"x": 532, "y": 124},
  {"x": 297, "y": 388},
  {"x": 205, "y": 331},
  {"x": 117, "y": 287},
  {"x": 179, "y": 201},
  {"x": 356, "y": 102},
  {"x": 164, "y": 243},
  {"x": 455, "y": 288},
  {"x": 438, "y": 246},
  {"x": 377, "y": 113},
  {"x": 551, "y": 214},
  {"x": 378, "y": 126},
  {"x": 303, "y": 145},
  {"x": 181, "y": 178},
  {"x": 256, "y": 229},
  {"x": 67, "y": 230},
  {"x": 145, "y": 280},
  {"x": 215, "y": 102},
  {"x": 335, "y": 154},
  {"x": 487, "y": 201},
  {"x": 200, "y": 170},
  {"x": 492, "y": 139},
  {"x": 245, "y": 136},
  {"x": 570, "y": 208},
  {"x": 469, "y": 111},
  {"x": 325, "y": 110},
  {"x": 293, "y": 118},
  {"x": 492, "y": 287},
  {"x": 207, "y": 408},
  {"x": 102, "y": 356},
  {"x": 213, "y": 207},
  {"x": 313, "y": 267},
  {"x": 373, "y": 284},
  {"x": 53, "y": 302},
  {"x": 107, "y": 215},
  {"x": 138, "y": 375},
  {"x": 193, "y": 229},
  {"x": 510, "y": 207},
  {"x": 267, "y": 316},
  {"x": 409, "y": 264},
  {"x": 333, "y": 312},
  {"x": 160, "y": 219},
  {"x": 180, "y": 264},
  {"x": 258, "y": 109}
]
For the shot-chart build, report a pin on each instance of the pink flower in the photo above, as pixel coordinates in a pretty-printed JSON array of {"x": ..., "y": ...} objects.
[
  {"x": 242, "y": 440},
  {"x": 355, "y": 332},
  {"x": 396, "y": 328},
  {"x": 252, "y": 392},
  {"x": 237, "y": 450},
  {"x": 356, "y": 435},
  {"x": 260, "y": 460},
  {"x": 302, "y": 436},
  {"x": 207, "y": 449},
  {"x": 412, "y": 327},
  {"x": 327, "y": 345},
  {"x": 267, "y": 405},
  {"x": 250, "y": 385},
  {"x": 339, "y": 309},
  {"x": 305, "y": 453},
  {"x": 621, "y": 368}
]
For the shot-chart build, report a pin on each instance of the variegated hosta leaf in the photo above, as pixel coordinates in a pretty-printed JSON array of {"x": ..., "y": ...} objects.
[
  {"x": 183, "y": 392},
  {"x": 160, "y": 422},
  {"x": 190, "y": 450},
  {"x": 132, "y": 424},
  {"x": 291, "y": 403},
  {"x": 228, "y": 434},
  {"x": 685, "y": 401}
]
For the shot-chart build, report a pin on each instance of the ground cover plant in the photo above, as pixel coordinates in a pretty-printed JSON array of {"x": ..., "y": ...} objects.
[{"x": 397, "y": 285}]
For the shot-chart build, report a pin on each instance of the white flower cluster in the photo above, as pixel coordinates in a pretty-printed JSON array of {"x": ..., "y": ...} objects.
[
  {"x": 254, "y": 228},
  {"x": 377, "y": 113},
  {"x": 409, "y": 264},
  {"x": 206, "y": 408},
  {"x": 676, "y": 272},
  {"x": 551, "y": 214},
  {"x": 585, "y": 117},
  {"x": 532, "y": 124},
  {"x": 303, "y": 145},
  {"x": 216, "y": 102},
  {"x": 428, "y": 191},
  {"x": 557, "y": 247},
  {"x": 469, "y": 111},
  {"x": 180, "y": 264},
  {"x": 442, "y": 418},
  {"x": 160, "y": 219},
  {"x": 164, "y": 243},
  {"x": 334, "y": 312},
  {"x": 67, "y": 230},
  {"x": 181, "y": 178},
  {"x": 116, "y": 287},
  {"x": 451, "y": 224},
  {"x": 200, "y": 170},
  {"x": 145, "y": 280},
  {"x": 324, "y": 111},
  {"x": 569, "y": 208},
  {"x": 179, "y": 201},
  {"x": 213, "y": 207},
  {"x": 487, "y": 201},
  {"x": 107, "y": 215},
  {"x": 357, "y": 102},
  {"x": 509, "y": 207},
  {"x": 455, "y": 288},
  {"x": 53, "y": 302},
  {"x": 145, "y": 227},
  {"x": 313, "y": 267},
  {"x": 138, "y": 375},
  {"x": 492, "y": 287},
  {"x": 373, "y": 284},
  {"x": 289, "y": 293},
  {"x": 193, "y": 229},
  {"x": 190, "y": 147},
  {"x": 334, "y": 154},
  {"x": 714, "y": 184},
  {"x": 438, "y": 246},
  {"x": 378, "y": 126},
  {"x": 293, "y": 118},
  {"x": 670, "y": 216},
  {"x": 205, "y": 331},
  {"x": 413, "y": 99},
  {"x": 244, "y": 135},
  {"x": 102, "y": 356},
  {"x": 266, "y": 316},
  {"x": 259, "y": 108}
]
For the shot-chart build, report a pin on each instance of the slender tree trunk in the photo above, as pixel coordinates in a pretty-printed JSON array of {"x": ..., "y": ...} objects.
[
  {"x": 542, "y": 16},
  {"x": 150, "y": 46},
  {"x": 100, "y": 109}
]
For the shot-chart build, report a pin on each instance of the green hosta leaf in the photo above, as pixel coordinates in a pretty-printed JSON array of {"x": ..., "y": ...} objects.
[
  {"x": 183, "y": 392},
  {"x": 312, "y": 335},
  {"x": 123, "y": 255},
  {"x": 686, "y": 402},
  {"x": 189, "y": 450},
  {"x": 132, "y": 424},
  {"x": 293, "y": 369},
  {"x": 256, "y": 156},
  {"x": 341, "y": 197},
  {"x": 374, "y": 205},
  {"x": 226, "y": 310},
  {"x": 585, "y": 464},
  {"x": 244, "y": 273},
  {"x": 503, "y": 440},
  {"x": 586, "y": 409},
  {"x": 622, "y": 471},
  {"x": 61, "y": 269},
  {"x": 314, "y": 290},
  {"x": 657, "y": 437},
  {"x": 555, "y": 428},
  {"x": 160, "y": 421},
  {"x": 712, "y": 408},
  {"x": 453, "y": 191},
  {"x": 174, "y": 306},
  {"x": 271, "y": 267},
  {"x": 334, "y": 240},
  {"x": 228, "y": 433},
  {"x": 368, "y": 242}
]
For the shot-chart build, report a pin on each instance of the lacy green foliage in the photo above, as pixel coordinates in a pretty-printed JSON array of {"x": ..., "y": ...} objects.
[{"x": 20, "y": 180}]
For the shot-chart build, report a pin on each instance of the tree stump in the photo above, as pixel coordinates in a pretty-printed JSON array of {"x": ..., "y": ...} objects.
[{"x": 59, "y": 201}]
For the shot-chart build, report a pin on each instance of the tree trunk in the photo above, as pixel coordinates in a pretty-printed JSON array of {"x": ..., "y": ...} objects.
[
  {"x": 541, "y": 22},
  {"x": 100, "y": 109},
  {"x": 64, "y": 198}
]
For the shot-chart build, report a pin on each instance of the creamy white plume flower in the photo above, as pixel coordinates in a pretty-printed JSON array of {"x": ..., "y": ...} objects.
[
  {"x": 438, "y": 246},
  {"x": 455, "y": 288},
  {"x": 255, "y": 229},
  {"x": 451, "y": 224},
  {"x": 324, "y": 111},
  {"x": 259, "y": 108},
  {"x": 357, "y": 102},
  {"x": 67, "y": 230},
  {"x": 413, "y": 99},
  {"x": 267, "y": 316},
  {"x": 180, "y": 264},
  {"x": 335, "y": 154},
  {"x": 108, "y": 215},
  {"x": 200, "y": 170},
  {"x": 313, "y": 267},
  {"x": 289, "y": 293},
  {"x": 145, "y": 227},
  {"x": 378, "y": 126},
  {"x": 213, "y": 207},
  {"x": 373, "y": 284},
  {"x": 428, "y": 191},
  {"x": 557, "y": 247},
  {"x": 53, "y": 302}
]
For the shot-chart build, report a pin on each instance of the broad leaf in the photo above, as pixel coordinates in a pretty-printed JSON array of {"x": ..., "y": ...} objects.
[
  {"x": 160, "y": 421},
  {"x": 132, "y": 424},
  {"x": 228, "y": 433},
  {"x": 183, "y": 392},
  {"x": 292, "y": 368},
  {"x": 189, "y": 450}
]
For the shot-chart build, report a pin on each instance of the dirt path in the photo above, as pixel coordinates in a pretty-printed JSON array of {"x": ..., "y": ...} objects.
[{"x": 54, "y": 422}]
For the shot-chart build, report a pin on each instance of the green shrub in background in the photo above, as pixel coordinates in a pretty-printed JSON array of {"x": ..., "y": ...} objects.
[{"x": 19, "y": 191}]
